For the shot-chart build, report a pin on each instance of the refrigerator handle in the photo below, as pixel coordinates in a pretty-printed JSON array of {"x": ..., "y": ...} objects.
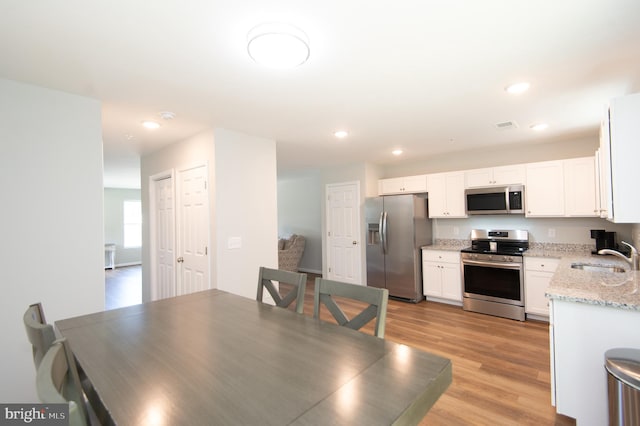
[{"x": 383, "y": 231}]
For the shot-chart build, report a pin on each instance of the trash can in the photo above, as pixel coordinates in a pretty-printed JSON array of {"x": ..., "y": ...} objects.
[{"x": 623, "y": 385}]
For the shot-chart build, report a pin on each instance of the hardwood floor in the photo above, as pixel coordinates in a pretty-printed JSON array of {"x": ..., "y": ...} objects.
[
  {"x": 500, "y": 366},
  {"x": 123, "y": 286}
]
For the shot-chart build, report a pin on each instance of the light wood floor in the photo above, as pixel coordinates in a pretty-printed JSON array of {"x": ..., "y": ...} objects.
[{"x": 500, "y": 366}]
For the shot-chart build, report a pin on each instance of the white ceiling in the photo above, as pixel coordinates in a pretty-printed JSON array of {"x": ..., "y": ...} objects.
[{"x": 426, "y": 76}]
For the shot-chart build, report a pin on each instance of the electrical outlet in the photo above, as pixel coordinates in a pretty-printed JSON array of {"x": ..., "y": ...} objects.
[{"x": 552, "y": 232}]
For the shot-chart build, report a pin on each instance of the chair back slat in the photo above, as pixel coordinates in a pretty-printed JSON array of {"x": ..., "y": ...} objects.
[
  {"x": 40, "y": 334},
  {"x": 267, "y": 278},
  {"x": 377, "y": 299}
]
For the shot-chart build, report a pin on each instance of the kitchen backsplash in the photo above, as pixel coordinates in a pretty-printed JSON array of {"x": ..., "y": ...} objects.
[{"x": 558, "y": 231}]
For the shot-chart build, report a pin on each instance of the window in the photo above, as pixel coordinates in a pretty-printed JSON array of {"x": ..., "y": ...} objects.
[{"x": 132, "y": 224}]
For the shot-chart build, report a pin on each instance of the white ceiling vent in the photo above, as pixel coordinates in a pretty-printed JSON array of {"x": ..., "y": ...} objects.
[{"x": 507, "y": 125}]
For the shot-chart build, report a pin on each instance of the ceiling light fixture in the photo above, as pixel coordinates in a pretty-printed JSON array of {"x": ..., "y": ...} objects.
[
  {"x": 517, "y": 88},
  {"x": 396, "y": 152},
  {"x": 539, "y": 126},
  {"x": 278, "y": 45},
  {"x": 341, "y": 134},
  {"x": 151, "y": 125}
]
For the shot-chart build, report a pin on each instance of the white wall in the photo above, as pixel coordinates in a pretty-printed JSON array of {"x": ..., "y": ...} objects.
[
  {"x": 300, "y": 212},
  {"x": 243, "y": 203},
  {"x": 52, "y": 238},
  {"x": 246, "y": 208},
  {"x": 114, "y": 199},
  {"x": 196, "y": 150}
]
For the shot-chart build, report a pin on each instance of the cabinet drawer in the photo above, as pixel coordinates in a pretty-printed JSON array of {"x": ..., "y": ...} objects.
[
  {"x": 441, "y": 256},
  {"x": 546, "y": 264}
]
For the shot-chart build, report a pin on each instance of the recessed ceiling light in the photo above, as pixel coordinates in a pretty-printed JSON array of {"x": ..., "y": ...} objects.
[
  {"x": 341, "y": 134},
  {"x": 517, "y": 88},
  {"x": 151, "y": 125},
  {"x": 539, "y": 126},
  {"x": 396, "y": 152},
  {"x": 278, "y": 45}
]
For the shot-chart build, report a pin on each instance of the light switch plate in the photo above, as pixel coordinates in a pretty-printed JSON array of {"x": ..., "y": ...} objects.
[{"x": 234, "y": 243}]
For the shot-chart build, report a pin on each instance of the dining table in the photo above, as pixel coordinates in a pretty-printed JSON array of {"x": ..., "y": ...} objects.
[{"x": 216, "y": 358}]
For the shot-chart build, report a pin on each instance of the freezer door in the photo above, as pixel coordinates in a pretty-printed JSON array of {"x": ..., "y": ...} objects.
[
  {"x": 375, "y": 255},
  {"x": 400, "y": 260}
]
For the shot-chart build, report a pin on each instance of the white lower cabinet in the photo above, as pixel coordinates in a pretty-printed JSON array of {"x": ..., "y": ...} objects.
[
  {"x": 537, "y": 276},
  {"x": 441, "y": 276}
]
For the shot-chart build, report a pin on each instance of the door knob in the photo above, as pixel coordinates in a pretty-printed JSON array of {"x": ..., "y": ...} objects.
[
  {"x": 180, "y": 259},
  {"x": 355, "y": 243}
]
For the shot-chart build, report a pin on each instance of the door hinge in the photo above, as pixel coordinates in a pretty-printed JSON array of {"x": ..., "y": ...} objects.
[
  {"x": 329, "y": 269},
  {"x": 205, "y": 184},
  {"x": 329, "y": 233},
  {"x": 206, "y": 250}
]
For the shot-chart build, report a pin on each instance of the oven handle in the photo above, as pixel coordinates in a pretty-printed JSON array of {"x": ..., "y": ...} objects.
[{"x": 493, "y": 264}]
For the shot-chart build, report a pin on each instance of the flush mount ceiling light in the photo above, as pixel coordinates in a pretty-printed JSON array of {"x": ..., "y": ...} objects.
[
  {"x": 277, "y": 45},
  {"x": 517, "y": 88},
  {"x": 151, "y": 125},
  {"x": 396, "y": 152},
  {"x": 341, "y": 134},
  {"x": 539, "y": 126}
]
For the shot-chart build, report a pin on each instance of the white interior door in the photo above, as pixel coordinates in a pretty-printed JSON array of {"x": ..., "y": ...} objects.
[
  {"x": 193, "y": 230},
  {"x": 163, "y": 283},
  {"x": 343, "y": 232}
]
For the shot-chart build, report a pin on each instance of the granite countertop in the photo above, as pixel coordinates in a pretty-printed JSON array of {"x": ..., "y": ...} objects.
[
  {"x": 614, "y": 289},
  {"x": 447, "y": 245}
]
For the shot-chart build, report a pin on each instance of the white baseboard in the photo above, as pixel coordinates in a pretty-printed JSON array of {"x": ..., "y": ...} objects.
[{"x": 120, "y": 265}]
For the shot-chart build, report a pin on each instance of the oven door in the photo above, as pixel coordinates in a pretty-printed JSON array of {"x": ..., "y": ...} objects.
[{"x": 493, "y": 281}]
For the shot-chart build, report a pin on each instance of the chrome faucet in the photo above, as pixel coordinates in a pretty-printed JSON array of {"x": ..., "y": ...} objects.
[{"x": 632, "y": 259}]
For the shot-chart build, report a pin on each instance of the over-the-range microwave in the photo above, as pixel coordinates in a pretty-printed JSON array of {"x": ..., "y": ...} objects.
[{"x": 495, "y": 200}]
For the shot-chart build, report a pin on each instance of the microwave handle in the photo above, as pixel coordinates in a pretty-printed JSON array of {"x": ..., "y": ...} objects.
[{"x": 506, "y": 195}]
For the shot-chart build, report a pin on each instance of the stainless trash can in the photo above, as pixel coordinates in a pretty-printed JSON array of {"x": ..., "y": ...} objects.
[{"x": 623, "y": 383}]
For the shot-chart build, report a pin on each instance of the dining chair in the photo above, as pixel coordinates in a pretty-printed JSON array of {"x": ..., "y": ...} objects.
[
  {"x": 40, "y": 334},
  {"x": 377, "y": 298},
  {"x": 57, "y": 382},
  {"x": 297, "y": 280}
]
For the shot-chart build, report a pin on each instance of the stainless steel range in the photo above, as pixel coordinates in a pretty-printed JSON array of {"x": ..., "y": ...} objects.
[{"x": 493, "y": 273}]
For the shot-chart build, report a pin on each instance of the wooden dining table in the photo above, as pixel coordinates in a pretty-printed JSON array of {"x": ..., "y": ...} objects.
[{"x": 215, "y": 358}]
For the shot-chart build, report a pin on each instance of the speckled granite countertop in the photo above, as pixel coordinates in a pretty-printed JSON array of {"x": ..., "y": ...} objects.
[
  {"x": 448, "y": 245},
  {"x": 614, "y": 289}
]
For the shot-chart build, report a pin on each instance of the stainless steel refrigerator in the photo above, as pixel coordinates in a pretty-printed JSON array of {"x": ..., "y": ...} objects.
[{"x": 397, "y": 227}]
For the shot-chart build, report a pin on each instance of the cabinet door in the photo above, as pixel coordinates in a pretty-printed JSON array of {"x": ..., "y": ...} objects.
[
  {"x": 431, "y": 279},
  {"x": 390, "y": 186},
  {"x": 446, "y": 195},
  {"x": 478, "y": 178},
  {"x": 415, "y": 184},
  {"x": 625, "y": 151},
  {"x": 437, "y": 195},
  {"x": 535, "y": 285},
  {"x": 604, "y": 170},
  {"x": 451, "y": 281},
  {"x": 580, "y": 187},
  {"x": 544, "y": 190},
  {"x": 508, "y": 175}
]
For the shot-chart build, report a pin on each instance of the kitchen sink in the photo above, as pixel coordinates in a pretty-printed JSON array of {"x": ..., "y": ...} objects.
[{"x": 591, "y": 267}]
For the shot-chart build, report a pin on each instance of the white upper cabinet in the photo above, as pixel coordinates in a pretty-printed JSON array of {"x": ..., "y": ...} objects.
[
  {"x": 403, "y": 185},
  {"x": 446, "y": 195},
  {"x": 619, "y": 153},
  {"x": 504, "y": 175},
  {"x": 581, "y": 197},
  {"x": 544, "y": 190}
]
